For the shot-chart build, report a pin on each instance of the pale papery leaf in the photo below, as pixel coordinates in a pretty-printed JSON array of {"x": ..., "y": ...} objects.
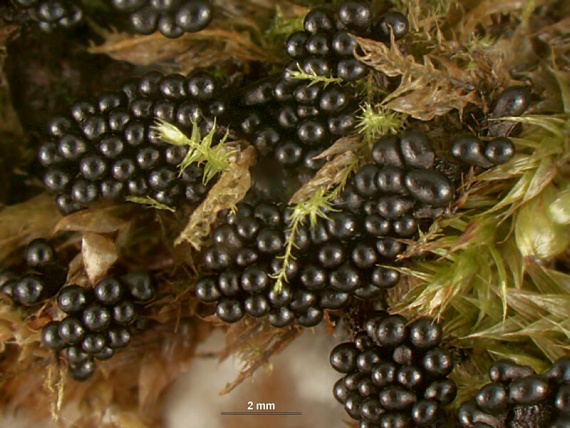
[
  {"x": 331, "y": 173},
  {"x": 76, "y": 271},
  {"x": 425, "y": 91},
  {"x": 54, "y": 384},
  {"x": 228, "y": 190},
  {"x": 426, "y": 102},
  {"x": 515, "y": 329},
  {"x": 105, "y": 220},
  {"x": 515, "y": 195},
  {"x": 550, "y": 123},
  {"x": 99, "y": 255},
  {"x": 515, "y": 167}
]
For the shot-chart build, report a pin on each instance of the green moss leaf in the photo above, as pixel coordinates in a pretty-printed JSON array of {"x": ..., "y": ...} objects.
[
  {"x": 536, "y": 234},
  {"x": 149, "y": 203},
  {"x": 559, "y": 210}
]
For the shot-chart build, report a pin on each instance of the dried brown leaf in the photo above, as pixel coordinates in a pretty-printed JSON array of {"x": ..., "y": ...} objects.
[
  {"x": 9, "y": 122},
  {"x": 76, "y": 272},
  {"x": 10, "y": 321},
  {"x": 480, "y": 15},
  {"x": 331, "y": 172},
  {"x": 99, "y": 254},
  {"x": 230, "y": 189},
  {"x": 202, "y": 49},
  {"x": 117, "y": 417},
  {"x": 97, "y": 398},
  {"x": 168, "y": 352},
  {"x": 431, "y": 101},
  {"x": 104, "y": 220},
  {"x": 141, "y": 50},
  {"x": 341, "y": 145},
  {"x": 23, "y": 222},
  {"x": 425, "y": 91},
  {"x": 54, "y": 384},
  {"x": 223, "y": 43},
  {"x": 280, "y": 342}
]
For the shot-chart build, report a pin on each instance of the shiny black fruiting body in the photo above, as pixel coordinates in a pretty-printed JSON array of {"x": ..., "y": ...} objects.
[
  {"x": 42, "y": 278},
  {"x": 393, "y": 198},
  {"x": 52, "y": 15},
  {"x": 380, "y": 387},
  {"x": 519, "y": 397},
  {"x": 171, "y": 18},
  {"x": 244, "y": 256},
  {"x": 337, "y": 258},
  {"x": 107, "y": 150},
  {"x": 291, "y": 119},
  {"x": 98, "y": 320},
  {"x": 470, "y": 150},
  {"x": 324, "y": 273}
]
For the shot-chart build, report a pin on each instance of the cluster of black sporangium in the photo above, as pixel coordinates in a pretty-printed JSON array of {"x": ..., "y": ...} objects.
[
  {"x": 106, "y": 148},
  {"x": 518, "y": 397},
  {"x": 395, "y": 373},
  {"x": 395, "y": 370},
  {"x": 172, "y": 18},
  {"x": 98, "y": 321}
]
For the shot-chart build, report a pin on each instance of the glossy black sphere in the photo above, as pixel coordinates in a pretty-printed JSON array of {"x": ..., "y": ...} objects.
[
  {"x": 194, "y": 15},
  {"x": 391, "y": 331},
  {"x": 73, "y": 299},
  {"x": 39, "y": 254},
  {"x": 470, "y": 150},
  {"x": 109, "y": 291},
  {"x": 96, "y": 318},
  {"x": 51, "y": 338},
  {"x": 355, "y": 15},
  {"x": 343, "y": 357},
  {"x": 230, "y": 310},
  {"x": 391, "y": 22},
  {"x": 499, "y": 150},
  {"x": 319, "y": 19},
  {"x": 140, "y": 285}
]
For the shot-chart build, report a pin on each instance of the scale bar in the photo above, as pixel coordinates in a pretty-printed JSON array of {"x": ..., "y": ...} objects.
[{"x": 261, "y": 413}]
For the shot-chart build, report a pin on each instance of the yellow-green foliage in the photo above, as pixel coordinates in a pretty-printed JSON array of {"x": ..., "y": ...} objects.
[{"x": 489, "y": 270}]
